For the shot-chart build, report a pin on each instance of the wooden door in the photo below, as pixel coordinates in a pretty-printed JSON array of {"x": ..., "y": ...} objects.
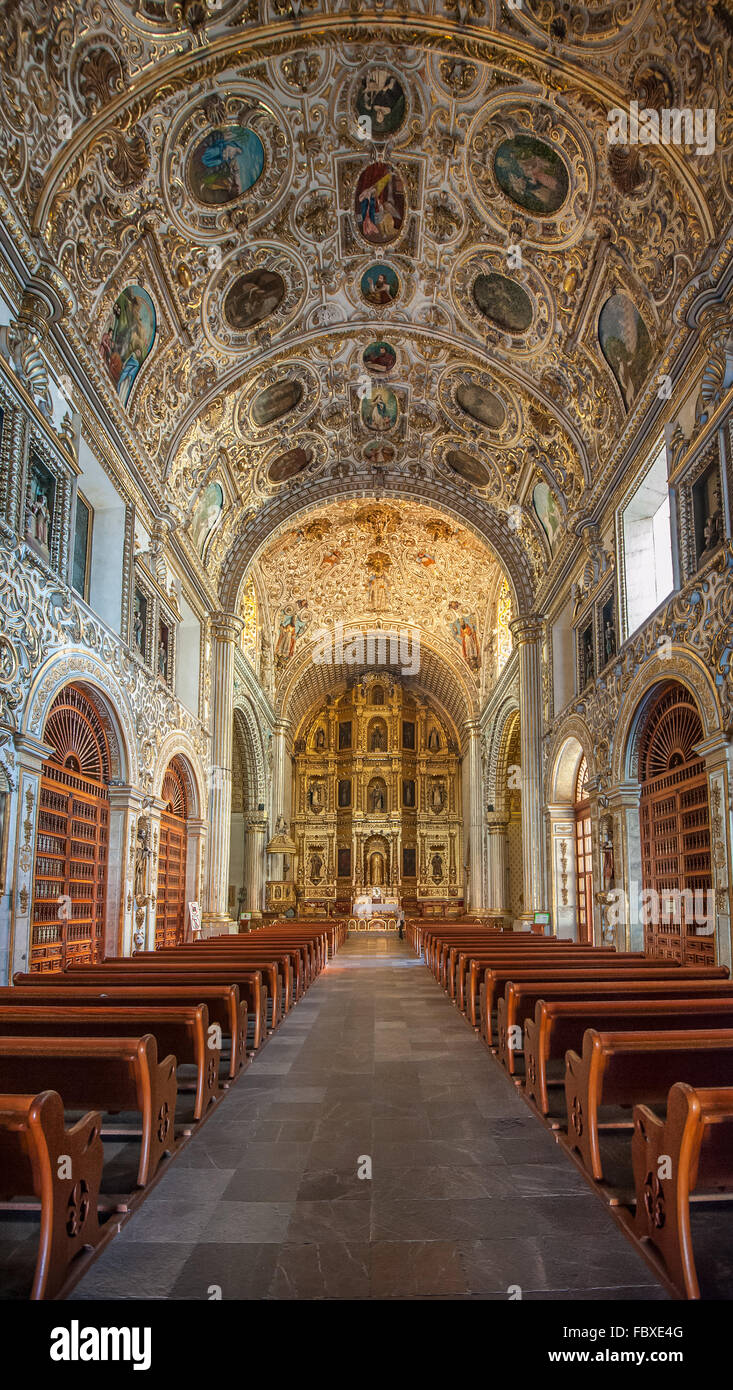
[
  {"x": 675, "y": 831},
  {"x": 170, "y": 909},
  {"x": 72, "y": 837}
]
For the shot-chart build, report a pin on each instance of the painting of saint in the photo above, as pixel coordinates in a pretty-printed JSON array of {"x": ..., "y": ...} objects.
[
  {"x": 408, "y": 793},
  {"x": 380, "y": 285},
  {"x": 503, "y": 302},
  {"x": 378, "y": 451},
  {"x": 344, "y": 792},
  {"x": 345, "y": 734},
  {"x": 289, "y": 465},
  {"x": 380, "y": 409},
  {"x": 293, "y": 622},
  {"x": 127, "y": 338},
  {"x": 379, "y": 358},
  {"x": 206, "y": 515},
  {"x": 224, "y": 164},
  {"x": 380, "y": 204},
  {"x": 543, "y": 501},
  {"x": 463, "y": 629},
  {"x": 275, "y": 401},
  {"x": 625, "y": 344},
  {"x": 39, "y": 516},
  {"x": 381, "y": 97},
  {"x": 252, "y": 298},
  {"x": 468, "y": 467},
  {"x": 482, "y": 405},
  {"x": 532, "y": 174}
]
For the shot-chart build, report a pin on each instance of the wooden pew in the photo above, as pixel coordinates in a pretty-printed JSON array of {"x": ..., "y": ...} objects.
[
  {"x": 298, "y": 957},
  {"x": 460, "y": 959},
  {"x": 33, "y": 1139},
  {"x": 450, "y": 953},
  {"x": 580, "y": 956},
  {"x": 559, "y": 1025},
  {"x": 127, "y": 973},
  {"x": 222, "y": 1001},
  {"x": 109, "y": 1074},
  {"x": 496, "y": 979},
  {"x": 181, "y": 1029},
  {"x": 626, "y": 1069},
  {"x": 696, "y": 1139},
  {"x": 273, "y": 972}
]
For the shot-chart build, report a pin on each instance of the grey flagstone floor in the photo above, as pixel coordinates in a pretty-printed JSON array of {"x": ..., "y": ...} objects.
[{"x": 469, "y": 1196}]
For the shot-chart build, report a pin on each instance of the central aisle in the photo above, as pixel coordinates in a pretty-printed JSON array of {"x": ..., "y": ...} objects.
[{"x": 469, "y": 1195}]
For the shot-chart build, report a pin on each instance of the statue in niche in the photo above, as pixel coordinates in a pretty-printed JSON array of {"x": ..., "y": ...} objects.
[
  {"x": 436, "y": 864},
  {"x": 587, "y": 663},
  {"x": 378, "y": 742},
  {"x": 433, "y": 741},
  {"x": 143, "y": 855},
  {"x": 376, "y": 799},
  {"x": 408, "y": 793},
  {"x": 316, "y": 865},
  {"x": 315, "y": 796},
  {"x": 437, "y": 797},
  {"x": 607, "y": 855},
  {"x": 376, "y": 869},
  {"x": 320, "y": 740}
]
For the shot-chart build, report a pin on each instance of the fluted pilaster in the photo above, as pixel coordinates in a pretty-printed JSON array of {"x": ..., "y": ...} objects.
[
  {"x": 225, "y": 630},
  {"x": 527, "y": 632}
]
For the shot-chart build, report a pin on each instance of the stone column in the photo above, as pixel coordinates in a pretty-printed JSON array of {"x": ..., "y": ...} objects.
[
  {"x": 718, "y": 754},
  {"x": 472, "y": 758},
  {"x": 562, "y": 869},
  {"x": 125, "y": 803},
  {"x": 624, "y": 911},
  {"x": 225, "y": 630},
  {"x": 497, "y": 826},
  {"x": 281, "y": 790},
  {"x": 527, "y": 632},
  {"x": 254, "y": 863},
  {"x": 29, "y": 755}
]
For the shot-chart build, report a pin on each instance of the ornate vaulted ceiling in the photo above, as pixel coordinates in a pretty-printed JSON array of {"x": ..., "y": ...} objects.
[{"x": 318, "y": 251}]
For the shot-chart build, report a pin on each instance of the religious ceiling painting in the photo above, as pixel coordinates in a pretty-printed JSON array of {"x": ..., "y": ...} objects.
[
  {"x": 379, "y": 358},
  {"x": 468, "y": 467},
  {"x": 252, "y": 298},
  {"x": 380, "y": 285},
  {"x": 463, "y": 628},
  {"x": 380, "y": 103},
  {"x": 206, "y": 515},
  {"x": 532, "y": 174},
  {"x": 275, "y": 401},
  {"x": 379, "y": 409},
  {"x": 625, "y": 344},
  {"x": 380, "y": 204},
  {"x": 292, "y": 622},
  {"x": 289, "y": 465},
  {"x": 481, "y": 405},
  {"x": 379, "y": 451},
  {"x": 545, "y": 506},
  {"x": 128, "y": 338},
  {"x": 224, "y": 164},
  {"x": 503, "y": 302}
]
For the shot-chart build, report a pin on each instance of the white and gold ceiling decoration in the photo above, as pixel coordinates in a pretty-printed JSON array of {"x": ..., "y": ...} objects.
[{"x": 294, "y": 186}]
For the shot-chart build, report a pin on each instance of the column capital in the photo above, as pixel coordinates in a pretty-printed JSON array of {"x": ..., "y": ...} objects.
[
  {"x": 526, "y": 628},
  {"x": 282, "y": 726},
  {"x": 226, "y": 627},
  {"x": 496, "y": 822}
]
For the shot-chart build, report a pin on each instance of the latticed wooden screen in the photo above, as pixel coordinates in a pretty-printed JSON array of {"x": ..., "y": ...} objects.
[
  {"x": 72, "y": 836},
  {"x": 170, "y": 910},
  {"x": 675, "y": 830}
]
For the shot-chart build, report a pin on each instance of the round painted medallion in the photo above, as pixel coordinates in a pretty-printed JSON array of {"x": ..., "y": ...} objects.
[{"x": 532, "y": 174}]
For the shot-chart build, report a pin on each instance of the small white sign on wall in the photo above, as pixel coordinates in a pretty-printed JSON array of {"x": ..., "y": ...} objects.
[{"x": 194, "y": 917}]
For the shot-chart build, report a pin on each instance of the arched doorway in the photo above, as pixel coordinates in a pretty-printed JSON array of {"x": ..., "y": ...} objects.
[
  {"x": 170, "y": 909},
  {"x": 70, "y": 872},
  {"x": 583, "y": 855},
  {"x": 675, "y": 829}
]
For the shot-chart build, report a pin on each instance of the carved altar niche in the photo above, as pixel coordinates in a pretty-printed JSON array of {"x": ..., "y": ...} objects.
[{"x": 384, "y": 791}]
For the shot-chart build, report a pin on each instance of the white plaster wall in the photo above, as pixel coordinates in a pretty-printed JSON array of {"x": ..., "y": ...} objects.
[{"x": 187, "y": 659}]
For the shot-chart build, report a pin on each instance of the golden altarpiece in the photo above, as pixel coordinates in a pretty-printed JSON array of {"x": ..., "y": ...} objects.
[{"x": 377, "y": 801}]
